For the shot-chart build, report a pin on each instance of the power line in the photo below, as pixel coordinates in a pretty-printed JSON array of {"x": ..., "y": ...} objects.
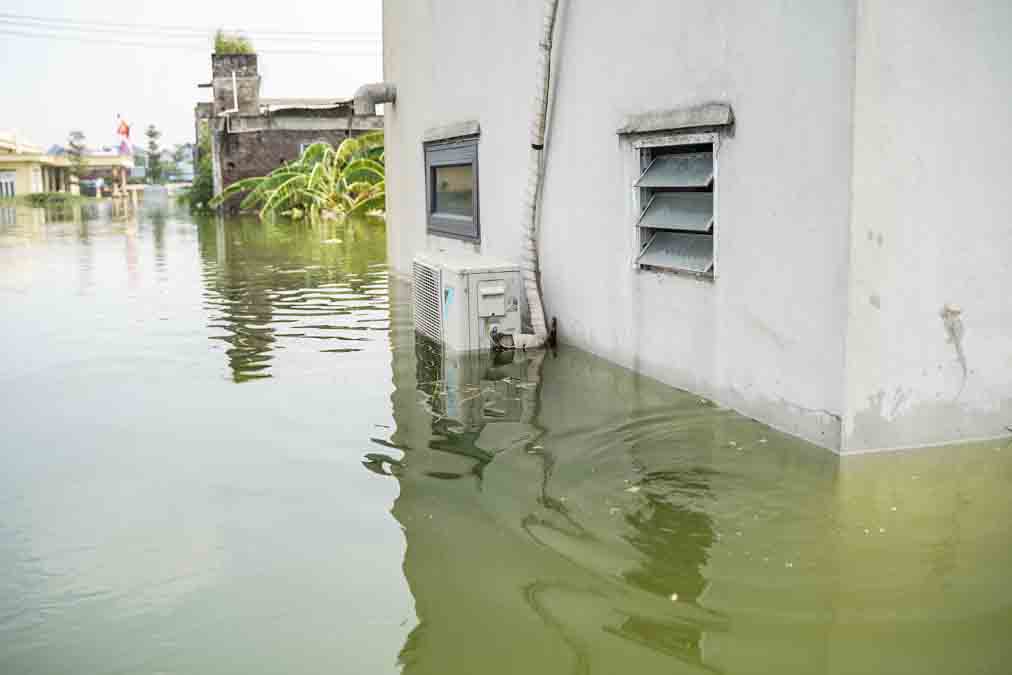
[
  {"x": 201, "y": 30},
  {"x": 185, "y": 44}
]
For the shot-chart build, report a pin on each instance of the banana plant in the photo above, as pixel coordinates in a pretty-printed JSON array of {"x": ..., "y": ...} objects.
[{"x": 325, "y": 182}]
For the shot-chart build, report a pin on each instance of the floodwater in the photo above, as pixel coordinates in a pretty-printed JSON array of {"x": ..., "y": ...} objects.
[{"x": 225, "y": 451}]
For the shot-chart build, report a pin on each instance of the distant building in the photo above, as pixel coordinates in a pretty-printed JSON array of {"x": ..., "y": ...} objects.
[
  {"x": 27, "y": 169},
  {"x": 105, "y": 171},
  {"x": 251, "y": 136}
]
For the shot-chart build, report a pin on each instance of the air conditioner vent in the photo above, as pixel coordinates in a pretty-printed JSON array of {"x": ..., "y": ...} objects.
[{"x": 426, "y": 295}]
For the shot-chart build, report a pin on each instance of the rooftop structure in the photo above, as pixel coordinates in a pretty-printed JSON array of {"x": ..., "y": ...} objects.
[{"x": 252, "y": 135}]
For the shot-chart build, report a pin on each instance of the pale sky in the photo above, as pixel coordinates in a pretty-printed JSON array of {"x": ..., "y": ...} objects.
[{"x": 75, "y": 79}]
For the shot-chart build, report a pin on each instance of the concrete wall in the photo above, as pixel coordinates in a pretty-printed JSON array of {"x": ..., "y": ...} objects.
[
  {"x": 258, "y": 153},
  {"x": 24, "y": 184},
  {"x": 929, "y": 355},
  {"x": 767, "y": 335}
]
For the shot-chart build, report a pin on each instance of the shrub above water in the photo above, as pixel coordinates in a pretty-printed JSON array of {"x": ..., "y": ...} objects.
[{"x": 231, "y": 43}]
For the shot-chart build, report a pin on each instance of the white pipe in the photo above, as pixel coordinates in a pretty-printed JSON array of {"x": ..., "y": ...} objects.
[
  {"x": 369, "y": 95},
  {"x": 235, "y": 98},
  {"x": 530, "y": 270}
]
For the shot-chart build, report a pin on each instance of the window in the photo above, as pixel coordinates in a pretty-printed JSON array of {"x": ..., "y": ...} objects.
[
  {"x": 304, "y": 146},
  {"x": 36, "y": 179},
  {"x": 7, "y": 179},
  {"x": 451, "y": 188},
  {"x": 676, "y": 191}
]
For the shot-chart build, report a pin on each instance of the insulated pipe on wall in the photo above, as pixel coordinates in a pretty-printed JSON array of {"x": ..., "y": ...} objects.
[
  {"x": 535, "y": 175},
  {"x": 369, "y": 95}
]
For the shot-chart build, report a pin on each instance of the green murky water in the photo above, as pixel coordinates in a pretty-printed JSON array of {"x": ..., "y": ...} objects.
[{"x": 225, "y": 451}]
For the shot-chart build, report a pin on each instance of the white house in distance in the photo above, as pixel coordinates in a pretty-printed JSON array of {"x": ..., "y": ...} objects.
[{"x": 801, "y": 210}]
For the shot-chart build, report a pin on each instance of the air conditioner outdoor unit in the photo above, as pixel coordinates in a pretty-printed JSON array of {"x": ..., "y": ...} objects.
[{"x": 458, "y": 298}]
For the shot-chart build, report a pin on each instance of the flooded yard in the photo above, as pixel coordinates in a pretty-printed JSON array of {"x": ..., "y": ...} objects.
[{"x": 224, "y": 450}]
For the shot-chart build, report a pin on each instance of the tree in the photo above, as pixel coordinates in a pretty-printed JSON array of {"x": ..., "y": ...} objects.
[
  {"x": 182, "y": 153},
  {"x": 76, "y": 153},
  {"x": 154, "y": 154},
  {"x": 202, "y": 189}
]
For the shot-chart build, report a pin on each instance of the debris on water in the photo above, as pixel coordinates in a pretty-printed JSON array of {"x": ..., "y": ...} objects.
[
  {"x": 893, "y": 508},
  {"x": 867, "y": 531},
  {"x": 539, "y": 447},
  {"x": 634, "y": 489},
  {"x": 733, "y": 444},
  {"x": 738, "y": 533},
  {"x": 788, "y": 564},
  {"x": 331, "y": 241},
  {"x": 674, "y": 597},
  {"x": 881, "y": 530},
  {"x": 613, "y": 510},
  {"x": 762, "y": 440}
]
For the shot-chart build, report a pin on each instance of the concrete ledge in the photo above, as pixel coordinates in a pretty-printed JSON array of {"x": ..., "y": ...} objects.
[
  {"x": 688, "y": 117},
  {"x": 449, "y": 131}
]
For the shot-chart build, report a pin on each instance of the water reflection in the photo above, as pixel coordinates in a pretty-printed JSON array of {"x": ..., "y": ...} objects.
[
  {"x": 554, "y": 513},
  {"x": 278, "y": 285},
  {"x": 563, "y": 515},
  {"x": 519, "y": 510}
]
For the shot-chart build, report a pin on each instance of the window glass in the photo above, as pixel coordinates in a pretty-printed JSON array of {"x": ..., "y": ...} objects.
[{"x": 453, "y": 190}]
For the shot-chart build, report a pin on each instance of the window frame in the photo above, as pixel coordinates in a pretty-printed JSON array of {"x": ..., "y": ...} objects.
[
  {"x": 643, "y": 147},
  {"x": 452, "y": 152},
  {"x": 303, "y": 146},
  {"x": 8, "y": 183}
]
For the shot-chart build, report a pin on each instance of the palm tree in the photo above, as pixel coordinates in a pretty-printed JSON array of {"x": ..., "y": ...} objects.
[{"x": 325, "y": 182}]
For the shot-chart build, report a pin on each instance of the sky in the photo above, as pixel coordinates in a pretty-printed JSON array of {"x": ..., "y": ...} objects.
[{"x": 143, "y": 60}]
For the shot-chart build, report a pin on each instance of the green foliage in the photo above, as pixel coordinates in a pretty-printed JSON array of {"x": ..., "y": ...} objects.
[
  {"x": 323, "y": 183},
  {"x": 42, "y": 199},
  {"x": 231, "y": 43},
  {"x": 75, "y": 153},
  {"x": 202, "y": 190},
  {"x": 154, "y": 172}
]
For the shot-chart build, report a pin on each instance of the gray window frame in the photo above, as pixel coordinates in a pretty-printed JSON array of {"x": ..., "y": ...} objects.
[
  {"x": 646, "y": 148},
  {"x": 454, "y": 152}
]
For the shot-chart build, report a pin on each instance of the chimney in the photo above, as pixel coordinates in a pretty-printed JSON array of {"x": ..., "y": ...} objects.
[{"x": 247, "y": 83}]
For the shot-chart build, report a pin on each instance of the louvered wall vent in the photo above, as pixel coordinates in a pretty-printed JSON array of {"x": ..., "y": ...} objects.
[{"x": 426, "y": 296}]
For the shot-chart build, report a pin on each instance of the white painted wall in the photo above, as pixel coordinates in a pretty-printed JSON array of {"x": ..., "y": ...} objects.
[
  {"x": 865, "y": 189},
  {"x": 931, "y": 225},
  {"x": 767, "y": 336}
]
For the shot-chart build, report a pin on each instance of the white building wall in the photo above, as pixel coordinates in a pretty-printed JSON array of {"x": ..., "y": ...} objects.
[
  {"x": 765, "y": 337},
  {"x": 932, "y": 234}
]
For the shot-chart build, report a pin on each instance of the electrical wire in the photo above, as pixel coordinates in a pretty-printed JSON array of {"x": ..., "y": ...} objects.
[
  {"x": 58, "y": 23},
  {"x": 186, "y": 44}
]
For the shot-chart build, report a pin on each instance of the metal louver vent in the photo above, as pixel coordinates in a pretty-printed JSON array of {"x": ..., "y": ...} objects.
[{"x": 426, "y": 296}]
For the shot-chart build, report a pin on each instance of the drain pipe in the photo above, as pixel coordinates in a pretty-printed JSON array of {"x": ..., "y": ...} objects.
[
  {"x": 369, "y": 95},
  {"x": 530, "y": 270}
]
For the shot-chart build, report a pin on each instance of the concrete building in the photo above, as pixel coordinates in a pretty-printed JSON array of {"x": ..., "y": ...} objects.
[
  {"x": 781, "y": 207},
  {"x": 27, "y": 169},
  {"x": 252, "y": 135}
]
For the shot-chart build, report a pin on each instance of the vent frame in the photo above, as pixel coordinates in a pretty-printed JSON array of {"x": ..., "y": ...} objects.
[{"x": 427, "y": 300}]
